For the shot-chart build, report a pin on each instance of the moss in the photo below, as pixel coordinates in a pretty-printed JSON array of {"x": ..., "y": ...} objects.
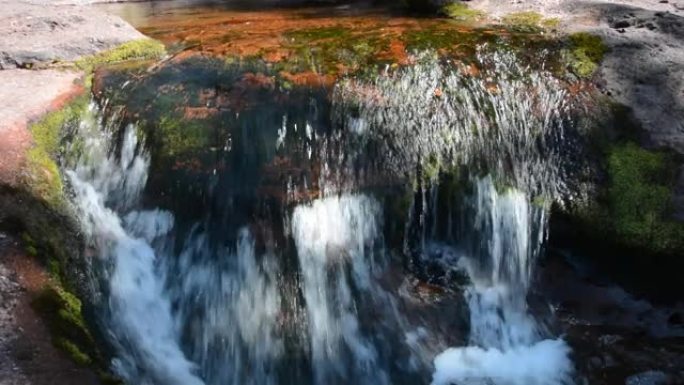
[
  {"x": 640, "y": 192},
  {"x": 431, "y": 168},
  {"x": 142, "y": 49},
  {"x": 550, "y": 23},
  {"x": 331, "y": 49},
  {"x": 63, "y": 315},
  {"x": 43, "y": 177},
  {"x": 182, "y": 137},
  {"x": 73, "y": 351},
  {"x": 585, "y": 53},
  {"x": 462, "y": 12},
  {"x": 528, "y": 21}
]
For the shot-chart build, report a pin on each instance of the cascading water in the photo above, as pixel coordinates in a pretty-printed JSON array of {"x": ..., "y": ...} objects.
[
  {"x": 331, "y": 235},
  {"x": 507, "y": 345},
  {"x": 140, "y": 318},
  {"x": 512, "y": 125},
  {"x": 289, "y": 276}
]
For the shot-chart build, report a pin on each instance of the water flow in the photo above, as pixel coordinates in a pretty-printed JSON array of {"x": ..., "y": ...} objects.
[
  {"x": 230, "y": 308},
  {"x": 507, "y": 346},
  {"x": 139, "y": 312},
  {"x": 335, "y": 238},
  {"x": 507, "y": 121}
]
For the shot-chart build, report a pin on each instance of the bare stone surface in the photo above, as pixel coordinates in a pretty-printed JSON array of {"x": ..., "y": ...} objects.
[
  {"x": 41, "y": 31},
  {"x": 25, "y": 96}
]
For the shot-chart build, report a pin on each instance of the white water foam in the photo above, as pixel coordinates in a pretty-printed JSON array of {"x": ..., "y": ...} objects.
[
  {"x": 331, "y": 235},
  {"x": 140, "y": 320},
  {"x": 507, "y": 346}
]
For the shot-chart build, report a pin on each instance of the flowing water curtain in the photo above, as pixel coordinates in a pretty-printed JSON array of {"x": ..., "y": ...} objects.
[
  {"x": 336, "y": 238},
  {"x": 107, "y": 179},
  {"x": 230, "y": 308},
  {"x": 506, "y": 120}
]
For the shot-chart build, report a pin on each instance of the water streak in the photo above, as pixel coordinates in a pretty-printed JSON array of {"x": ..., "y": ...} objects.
[{"x": 139, "y": 311}]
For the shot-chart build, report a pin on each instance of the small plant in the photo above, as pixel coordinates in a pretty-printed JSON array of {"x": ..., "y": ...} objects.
[
  {"x": 461, "y": 12},
  {"x": 62, "y": 313},
  {"x": 640, "y": 191},
  {"x": 523, "y": 21},
  {"x": 43, "y": 177},
  {"x": 142, "y": 49},
  {"x": 586, "y": 52}
]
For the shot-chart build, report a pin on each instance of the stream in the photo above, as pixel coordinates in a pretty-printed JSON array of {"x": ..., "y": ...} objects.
[{"x": 384, "y": 230}]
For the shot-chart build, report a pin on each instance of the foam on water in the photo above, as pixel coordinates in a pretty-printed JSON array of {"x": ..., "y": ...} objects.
[{"x": 507, "y": 346}]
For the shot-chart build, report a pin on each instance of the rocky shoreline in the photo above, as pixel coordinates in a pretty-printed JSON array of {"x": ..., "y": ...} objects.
[{"x": 39, "y": 39}]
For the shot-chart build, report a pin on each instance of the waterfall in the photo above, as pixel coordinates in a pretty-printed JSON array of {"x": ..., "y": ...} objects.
[
  {"x": 229, "y": 302},
  {"x": 268, "y": 287},
  {"x": 139, "y": 311},
  {"x": 508, "y": 122},
  {"x": 332, "y": 235},
  {"x": 506, "y": 345}
]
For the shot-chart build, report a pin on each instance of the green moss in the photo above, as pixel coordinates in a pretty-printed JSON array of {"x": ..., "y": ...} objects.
[
  {"x": 461, "y": 12},
  {"x": 182, "y": 136},
  {"x": 43, "y": 177},
  {"x": 142, "y": 49},
  {"x": 528, "y": 21},
  {"x": 585, "y": 53},
  {"x": 431, "y": 168},
  {"x": 640, "y": 192},
  {"x": 330, "y": 49},
  {"x": 62, "y": 313},
  {"x": 73, "y": 351},
  {"x": 551, "y": 23}
]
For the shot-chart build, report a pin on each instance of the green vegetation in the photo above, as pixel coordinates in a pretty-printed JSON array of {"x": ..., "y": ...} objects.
[
  {"x": 461, "y": 12},
  {"x": 585, "y": 53},
  {"x": 182, "y": 137},
  {"x": 445, "y": 39},
  {"x": 43, "y": 178},
  {"x": 529, "y": 21},
  {"x": 73, "y": 351},
  {"x": 142, "y": 49},
  {"x": 61, "y": 311},
  {"x": 640, "y": 193},
  {"x": 329, "y": 50}
]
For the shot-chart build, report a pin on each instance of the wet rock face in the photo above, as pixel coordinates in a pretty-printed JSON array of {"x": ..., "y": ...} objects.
[
  {"x": 651, "y": 377},
  {"x": 616, "y": 337}
]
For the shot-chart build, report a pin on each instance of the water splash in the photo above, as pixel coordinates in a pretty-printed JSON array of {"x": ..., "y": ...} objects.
[
  {"x": 230, "y": 307},
  {"x": 507, "y": 120},
  {"x": 507, "y": 346},
  {"x": 139, "y": 311},
  {"x": 332, "y": 234}
]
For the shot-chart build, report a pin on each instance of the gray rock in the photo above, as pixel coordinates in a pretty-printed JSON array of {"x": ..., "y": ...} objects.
[{"x": 651, "y": 377}]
